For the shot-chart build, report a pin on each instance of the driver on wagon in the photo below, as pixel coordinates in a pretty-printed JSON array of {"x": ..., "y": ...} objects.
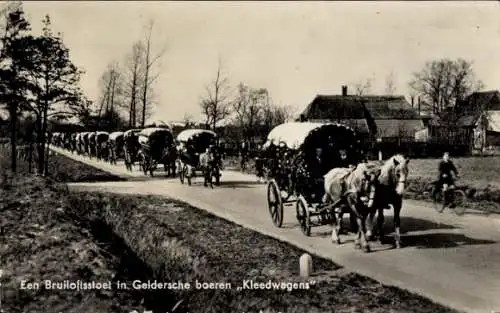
[{"x": 317, "y": 170}]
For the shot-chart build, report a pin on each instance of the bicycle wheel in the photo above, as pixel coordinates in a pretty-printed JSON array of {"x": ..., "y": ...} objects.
[
  {"x": 438, "y": 199},
  {"x": 459, "y": 199}
]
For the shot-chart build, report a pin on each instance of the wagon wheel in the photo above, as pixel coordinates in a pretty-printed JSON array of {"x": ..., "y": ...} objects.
[
  {"x": 275, "y": 203},
  {"x": 438, "y": 199},
  {"x": 459, "y": 197},
  {"x": 303, "y": 216}
]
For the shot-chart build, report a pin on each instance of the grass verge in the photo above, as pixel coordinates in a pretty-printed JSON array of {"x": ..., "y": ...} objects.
[{"x": 52, "y": 234}]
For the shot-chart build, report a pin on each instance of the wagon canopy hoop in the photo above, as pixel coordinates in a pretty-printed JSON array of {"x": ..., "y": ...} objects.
[
  {"x": 296, "y": 135},
  {"x": 189, "y": 134},
  {"x": 154, "y": 133},
  {"x": 115, "y": 135}
]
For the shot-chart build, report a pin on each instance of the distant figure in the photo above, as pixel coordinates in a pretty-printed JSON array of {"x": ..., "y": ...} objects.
[
  {"x": 447, "y": 172},
  {"x": 243, "y": 155},
  {"x": 206, "y": 163},
  {"x": 259, "y": 165}
]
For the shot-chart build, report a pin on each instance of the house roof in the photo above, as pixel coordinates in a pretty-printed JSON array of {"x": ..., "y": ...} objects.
[
  {"x": 359, "y": 125},
  {"x": 482, "y": 100},
  {"x": 335, "y": 107},
  {"x": 359, "y": 107},
  {"x": 389, "y": 107}
]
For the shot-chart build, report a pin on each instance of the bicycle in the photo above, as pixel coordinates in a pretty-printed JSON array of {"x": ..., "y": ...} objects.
[{"x": 453, "y": 198}]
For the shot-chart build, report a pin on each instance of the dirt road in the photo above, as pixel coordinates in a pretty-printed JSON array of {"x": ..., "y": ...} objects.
[{"x": 452, "y": 260}]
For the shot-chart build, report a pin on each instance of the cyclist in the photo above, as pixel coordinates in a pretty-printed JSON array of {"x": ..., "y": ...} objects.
[{"x": 447, "y": 173}]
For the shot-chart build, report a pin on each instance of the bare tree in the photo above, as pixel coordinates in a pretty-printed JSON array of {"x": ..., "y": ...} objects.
[
  {"x": 249, "y": 108},
  {"x": 148, "y": 76},
  {"x": 132, "y": 78},
  {"x": 390, "y": 84},
  {"x": 110, "y": 83},
  {"x": 443, "y": 83},
  {"x": 363, "y": 87},
  {"x": 215, "y": 106}
]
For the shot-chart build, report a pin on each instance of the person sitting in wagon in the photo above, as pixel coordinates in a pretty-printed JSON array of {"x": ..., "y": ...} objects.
[{"x": 317, "y": 169}]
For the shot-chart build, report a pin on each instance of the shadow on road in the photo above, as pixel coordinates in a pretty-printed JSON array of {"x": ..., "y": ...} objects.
[
  {"x": 442, "y": 240},
  {"x": 149, "y": 178},
  {"x": 239, "y": 184},
  {"x": 412, "y": 224}
]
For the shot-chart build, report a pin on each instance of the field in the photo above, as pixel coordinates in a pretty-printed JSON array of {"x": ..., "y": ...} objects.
[
  {"x": 478, "y": 172},
  {"x": 479, "y": 177},
  {"x": 53, "y": 234}
]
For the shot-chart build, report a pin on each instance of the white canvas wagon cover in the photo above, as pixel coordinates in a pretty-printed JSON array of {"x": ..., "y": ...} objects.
[
  {"x": 294, "y": 134},
  {"x": 146, "y": 133},
  {"x": 153, "y": 130},
  {"x": 188, "y": 134},
  {"x": 115, "y": 135},
  {"x": 131, "y": 132}
]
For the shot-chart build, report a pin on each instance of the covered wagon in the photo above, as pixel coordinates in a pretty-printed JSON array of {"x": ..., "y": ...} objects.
[{"x": 295, "y": 157}]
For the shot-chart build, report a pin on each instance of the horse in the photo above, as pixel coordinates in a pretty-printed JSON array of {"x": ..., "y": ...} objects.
[
  {"x": 130, "y": 150},
  {"x": 92, "y": 149},
  {"x": 346, "y": 188},
  {"x": 169, "y": 159},
  {"x": 390, "y": 185},
  {"x": 74, "y": 142}
]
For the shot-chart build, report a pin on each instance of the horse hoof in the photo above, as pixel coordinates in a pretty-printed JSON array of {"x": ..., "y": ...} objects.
[
  {"x": 366, "y": 249},
  {"x": 357, "y": 246},
  {"x": 337, "y": 240},
  {"x": 399, "y": 245}
]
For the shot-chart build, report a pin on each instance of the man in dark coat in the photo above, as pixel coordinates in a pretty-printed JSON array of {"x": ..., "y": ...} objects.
[{"x": 447, "y": 174}]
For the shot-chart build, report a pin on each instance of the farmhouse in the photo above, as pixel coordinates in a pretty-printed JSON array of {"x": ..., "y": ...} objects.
[
  {"x": 473, "y": 124},
  {"x": 389, "y": 119},
  {"x": 481, "y": 112}
]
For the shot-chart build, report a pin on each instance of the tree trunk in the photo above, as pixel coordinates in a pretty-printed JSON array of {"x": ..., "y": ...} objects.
[
  {"x": 146, "y": 82},
  {"x": 39, "y": 147},
  {"x": 30, "y": 156},
  {"x": 43, "y": 136},
  {"x": 13, "y": 135}
]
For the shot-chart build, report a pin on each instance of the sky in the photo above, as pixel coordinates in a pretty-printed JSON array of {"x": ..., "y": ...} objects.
[{"x": 294, "y": 49}]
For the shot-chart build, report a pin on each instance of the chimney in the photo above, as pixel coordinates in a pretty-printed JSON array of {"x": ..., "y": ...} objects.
[{"x": 344, "y": 91}]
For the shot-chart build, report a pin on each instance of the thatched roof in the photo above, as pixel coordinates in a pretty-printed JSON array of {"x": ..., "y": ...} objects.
[
  {"x": 389, "y": 107},
  {"x": 335, "y": 107},
  {"x": 360, "y": 112}
]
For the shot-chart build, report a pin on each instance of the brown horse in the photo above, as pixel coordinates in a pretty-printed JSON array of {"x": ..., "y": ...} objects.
[
  {"x": 389, "y": 189},
  {"x": 348, "y": 188}
]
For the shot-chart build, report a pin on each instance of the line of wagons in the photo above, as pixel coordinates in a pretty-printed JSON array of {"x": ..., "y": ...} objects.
[
  {"x": 149, "y": 148},
  {"x": 287, "y": 160}
]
